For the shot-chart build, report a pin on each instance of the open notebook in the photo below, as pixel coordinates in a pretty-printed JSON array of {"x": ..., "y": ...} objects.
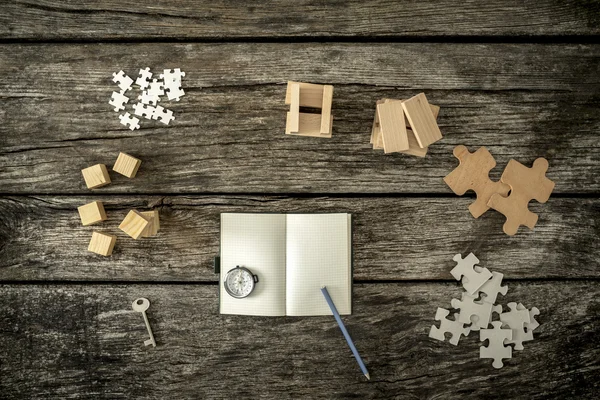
[{"x": 294, "y": 255}]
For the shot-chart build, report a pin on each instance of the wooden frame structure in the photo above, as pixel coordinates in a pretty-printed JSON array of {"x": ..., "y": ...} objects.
[{"x": 312, "y": 96}]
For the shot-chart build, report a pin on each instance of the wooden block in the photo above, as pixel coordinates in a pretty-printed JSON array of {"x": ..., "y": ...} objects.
[
  {"x": 154, "y": 223},
  {"x": 435, "y": 110},
  {"x": 309, "y": 125},
  {"x": 375, "y": 130},
  {"x": 413, "y": 146},
  {"x": 421, "y": 119},
  {"x": 127, "y": 165},
  {"x": 134, "y": 224},
  {"x": 92, "y": 213},
  {"x": 393, "y": 130},
  {"x": 96, "y": 176},
  {"x": 102, "y": 243},
  {"x": 326, "y": 110},
  {"x": 300, "y": 94},
  {"x": 311, "y": 95},
  {"x": 295, "y": 109}
]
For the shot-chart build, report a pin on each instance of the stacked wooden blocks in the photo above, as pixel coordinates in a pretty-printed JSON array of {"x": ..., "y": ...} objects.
[
  {"x": 405, "y": 126},
  {"x": 310, "y": 96},
  {"x": 136, "y": 224}
]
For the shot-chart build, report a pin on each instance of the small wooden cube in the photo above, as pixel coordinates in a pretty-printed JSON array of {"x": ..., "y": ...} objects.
[
  {"x": 154, "y": 225},
  {"x": 92, "y": 213},
  {"x": 127, "y": 165},
  {"x": 134, "y": 224},
  {"x": 96, "y": 176},
  {"x": 102, "y": 243}
]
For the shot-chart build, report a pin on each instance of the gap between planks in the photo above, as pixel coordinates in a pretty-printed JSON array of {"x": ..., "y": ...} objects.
[
  {"x": 216, "y": 283},
  {"x": 462, "y": 39}
]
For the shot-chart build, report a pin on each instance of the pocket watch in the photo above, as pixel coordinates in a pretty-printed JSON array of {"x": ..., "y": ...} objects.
[{"x": 240, "y": 282}]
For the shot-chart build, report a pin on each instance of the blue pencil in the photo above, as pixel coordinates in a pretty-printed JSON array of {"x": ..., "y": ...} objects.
[{"x": 345, "y": 332}]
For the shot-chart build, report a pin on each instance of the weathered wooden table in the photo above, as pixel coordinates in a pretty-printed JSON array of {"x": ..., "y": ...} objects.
[{"x": 522, "y": 80}]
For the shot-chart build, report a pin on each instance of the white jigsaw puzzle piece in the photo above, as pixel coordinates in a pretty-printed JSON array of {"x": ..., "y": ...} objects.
[
  {"x": 454, "y": 327},
  {"x": 516, "y": 319},
  {"x": 122, "y": 80},
  {"x": 146, "y": 111},
  {"x": 496, "y": 349},
  {"x": 156, "y": 88},
  {"x": 471, "y": 279},
  {"x": 127, "y": 120},
  {"x": 163, "y": 115},
  {"x": 492, "y": 287},
  {"x": 146, "y": 98},
  {"x": 473, "y": 312},
  {"x": 144, "y": 79},
  {"x": 532, "y": 325},
  {"x": 175, "y": 76},
  {"x": 118, "y": 100},
  {"x": 174, "y": 92}
]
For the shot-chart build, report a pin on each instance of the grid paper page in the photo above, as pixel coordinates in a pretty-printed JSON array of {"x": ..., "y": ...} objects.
[
  {"x": 257, "y": 242},
  {"x": 318, "y": 254}
]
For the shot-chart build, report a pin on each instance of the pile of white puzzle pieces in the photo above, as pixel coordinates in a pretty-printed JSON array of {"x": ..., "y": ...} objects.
[
  {"x": 151, "y": 92},
  {"x": 476, "y": 311}
]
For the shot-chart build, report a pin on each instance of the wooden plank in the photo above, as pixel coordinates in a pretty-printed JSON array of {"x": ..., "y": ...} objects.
[
  {"x": 326, "y": 117},
  {"x": 311, "y": 94},
  {"x": 421, "y": 119},
  {"x": 392, "y": 127},
  {"x": 55, "y": 122},
  {"x": 190, "y": 19},
  {"x": 293, "y": 123},
  {"x": 309, "y": 125},
  {"x": 41, "y": 237},
  {"x": 413, "y": 145},
  {"x": 86, "y": 339}
]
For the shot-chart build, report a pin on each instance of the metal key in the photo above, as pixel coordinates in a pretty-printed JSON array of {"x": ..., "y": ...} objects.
[{"x": 141, "y": 305}]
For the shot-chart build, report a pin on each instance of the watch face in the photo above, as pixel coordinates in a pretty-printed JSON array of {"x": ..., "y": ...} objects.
[{"x": 239, "y": 282}]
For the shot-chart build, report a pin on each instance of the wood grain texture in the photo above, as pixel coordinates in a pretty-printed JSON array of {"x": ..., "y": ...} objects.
[
  {"x": 109, "y": 19},
  {"x": 75, "y": 341},
  {"x": 41, "y": 237},
  {"x": 521, "y": 101}
]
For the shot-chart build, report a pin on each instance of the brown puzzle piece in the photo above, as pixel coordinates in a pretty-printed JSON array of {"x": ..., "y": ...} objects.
[
  {"x": 473, "y": 174},
  {"x": 525, "y": 184}
]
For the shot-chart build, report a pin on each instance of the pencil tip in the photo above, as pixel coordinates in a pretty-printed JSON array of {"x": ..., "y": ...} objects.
[{"x": 368, "y": 376}]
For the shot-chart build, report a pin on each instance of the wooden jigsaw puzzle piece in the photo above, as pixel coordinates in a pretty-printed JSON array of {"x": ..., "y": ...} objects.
[
  {"x": 472, "y": 173},
  {"x": 495, "y": 349},
  {"x": 454, "y": 327},
  {"x": 526, "y": 184},
  {"x": 472, "y": 280}
]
